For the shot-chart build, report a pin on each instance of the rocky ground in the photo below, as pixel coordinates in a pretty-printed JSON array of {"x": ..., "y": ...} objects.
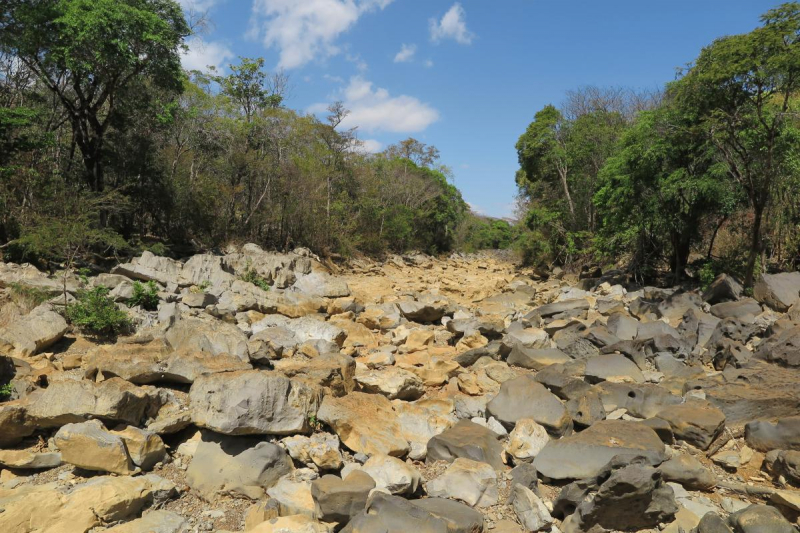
[{"x": 419, "y": 394}]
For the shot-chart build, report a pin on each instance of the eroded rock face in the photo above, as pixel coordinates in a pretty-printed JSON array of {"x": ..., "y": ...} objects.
[
  {"x": 252, "y": 402},
  {"x": 212, "y": 336},
  {"x": 32, "y": 333}
]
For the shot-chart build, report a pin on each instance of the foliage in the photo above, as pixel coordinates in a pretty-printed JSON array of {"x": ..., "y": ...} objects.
[
  {"x": 27, "y": 297},
  {"x": 481, "y": 233},
  {"x": 251, "y": 276},
  {"x": 95, "y": 313},
  {"x": 6, "y": 391},
  {"x": 144, "y": 296}
]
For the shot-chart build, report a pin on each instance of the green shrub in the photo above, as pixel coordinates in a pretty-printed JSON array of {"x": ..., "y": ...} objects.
[
  {"x": 145, "y": 296},
  {"x": 707, "y": 274},
  {"x": 6, "y": 391},
  {"x": 97, "y": 314},
  {"x": 251, "y": 276},
  {"x": 202, "y": 288}
]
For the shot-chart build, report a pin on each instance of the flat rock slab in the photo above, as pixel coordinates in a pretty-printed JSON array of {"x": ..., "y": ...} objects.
[
  {"x": 694, "y": 423},
  {"x": 24, "y": 459},
  {"x": 583, "y": 455},
  {"x": 468, "y": 440}
]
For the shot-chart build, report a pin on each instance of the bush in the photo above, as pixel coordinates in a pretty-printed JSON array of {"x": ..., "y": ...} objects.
[
  {"x": 97, "y": 314},
  {"x": 145, "y": 296},
  {"x": 27, "y": 297},
  {"x": 6, "y": 391},
  {"x": 251, "y": 276}
]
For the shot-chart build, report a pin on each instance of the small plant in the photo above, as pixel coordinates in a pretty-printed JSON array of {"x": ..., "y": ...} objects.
[
  {"x": 83, "y": 274},
  {"x": 315, "y": 424},
  {"x": 6, "y": 391},
  {"x": 158, "y": 248},
  {"x": 202, "y": 288},
  {"x": 707, "y": 274},
  {"x": 27, "y": 297},
  {"x": 97, "y": 314},
  {"x": 144, "y": 295},
  {"x": 251, "y": 276}
]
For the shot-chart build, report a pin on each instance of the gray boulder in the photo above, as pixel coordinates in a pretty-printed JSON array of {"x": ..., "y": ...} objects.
[
  {"x": 523, "y": 397},
  {"x": 764, "y": 436},
  {"x": 468, "y": 440},
  {"x": 760, "y": 519},
  {"x": 338, "y": 500},
  {"x": 778, "y": 291},
  {"x": 32, "y": 333}
]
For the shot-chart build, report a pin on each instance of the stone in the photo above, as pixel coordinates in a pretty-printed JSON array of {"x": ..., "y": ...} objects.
[
  {"x": 150, "y": 267},
  {"x": 365, "y": 423},
  {"x": 459, "y": 518},
  {"x": 583, "y": 455},
  {"x": 723, "y": 289},
  {"x": 531, "y": 338},
  {"x": 778, "y": 291},
  {"x": 422, "y": 420},
  {"x": 291, "y": 524},
  {"x": 712, "y": 523},
  {"x": 473, "y": 482},
  {"x": 332, "y": 374},
  {"x": 530, "y": 509},
  {"x": 191, "y": 334},
  {"x": 466, "y": 440},
  {"x": 292, "y": 497},
  {"x": 392, "y": 474},
  {"x": 145, "y": 448},
  {"x": 760, "y": 519},
  {"x": 55, "y": 508},
  {"x": 740, "y": 309},
  {"x": 14, "y": 424},
  {"x": 237, "y": 466},
  {"x": 72, "y": 401},
  {"x": 784, "y": 349},
  {"x": 613, "y": 367},
  {"x": 689, "y": 472},
  {"x": 523, "y": 397},
  {"x": 526, "y": 440},
  {"x": 556, "y": 308},
  {"x": 586, "y": 408},
  {"x": 763, "y": 435},
  {"x": 32, "y": 333},
  {"x": 338, "y": 500},
  {"x": 392, "y": 382},
  {"x": 153, "y": 363},
  {"x": 154, "y": 522},
  {"x": 387, "y": 513},
  {"x": 321, "y": 449},
  {"x": 536, "y": 359},
  {"x": 696, "y": 424},
  {"x": 24, "y": 460},
  {"x": 91, "y": 447},
  {"x": 252, "y": 402}
]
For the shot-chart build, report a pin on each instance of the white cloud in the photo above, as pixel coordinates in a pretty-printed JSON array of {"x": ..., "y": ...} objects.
[
  {"x": 453, "y": 25},
  {"x": 201, "y": 54},
  {"x": 305, "y": 30},
  {"x": 428, "y": 63},
  {"x": 374, "y": 109},
  {"x": 333, "y": 79},
  {"x": 406, "y": 53},
  {"x": 371, "y": 146},
  {"x": 197, "y": 5}
]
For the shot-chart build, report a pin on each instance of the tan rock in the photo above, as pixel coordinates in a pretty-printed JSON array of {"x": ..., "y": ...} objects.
[
  {"x": 293, "y": 524},
  {"x": 144, "y": 447},
  {"x": 91, "y": 447}
]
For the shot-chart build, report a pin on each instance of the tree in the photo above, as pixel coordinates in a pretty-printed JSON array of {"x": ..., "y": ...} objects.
[
  {"x": 89, "y": 52},
  {"x": 742, "y": 87}
]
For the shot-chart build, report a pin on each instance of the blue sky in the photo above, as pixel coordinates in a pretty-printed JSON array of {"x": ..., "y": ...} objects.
[{"x": 464, "y": 76}]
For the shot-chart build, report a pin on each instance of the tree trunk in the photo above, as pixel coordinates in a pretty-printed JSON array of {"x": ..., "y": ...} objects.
[
  {"x": 563, "y": 176},
  {"x": 755, "y": 244}
]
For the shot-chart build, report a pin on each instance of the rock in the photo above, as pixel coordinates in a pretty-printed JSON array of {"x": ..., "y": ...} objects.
[
  {"x": 321, "y": 284},
  {"x": 213, "y": 336},
  {"x": 613, "y": 367},
  {"x": 365, "y": 423},
  {"x": 473, "y": 482},
  {"x": 338, "y": 500},
  {"x": 14, "y": 424},
  {"x": 556, "y": 308},
  {"x": 252, "y": 402},
  {"x": 23, "y": 459},
  {"x": 242, "y": 466},
  {"x": 392, "y": 474},
  {"x": 291, "y": 524},
  {"x": 696, "y": 424},
  {"x": 587, "y": 408},
  {"x": 423, "y": 312},
  {"x": 712, "y": 523},
  {"x": 271, "y": 343},
  {"x": 689, "y": 472},
  {"x": 778, "y": 291},
  {"x": 421, "y": 421},
  {"x": 392, "y": 382},
  {"x": 740, "y": 309},
  {"x": 320, "y": 449},
  {"x": 467, "y": 440},
  {"x": 333, "y": 374},
  {"x": 90, "y": 446},
  {"x": 633, "y": 498},
  {"x": 783, "y": 350},
  {"x": 760, "y": 519},
  {"x": 531, "y": 338},
  {"x": 292, "y": 497},
  {"x": 51, "y": 508},
  {"x": 150, "y": 267},
  {"x": 305, "y": 329},
  {"x": 530, "y": 509},
  {"x": 458, "y": 517},
  {"x": 536, "y": 359},
  {"x": 523, "y": 397},
  {"x": 154, "y": 522},
  {"x": 526, "y": 440},
  {"x": 69, "y": 401},
  {"x": 583, "y": 455},
  {"x": 32, "y": 333},
  {"x": 145, "y": 448},
  {"x": 724, "y": 288},
  {"x": 386, "y": 513},
  {"x": 153, "y": 363},
  {"x": 764, "y": 436},
  {"x": 206, "y": 269}
]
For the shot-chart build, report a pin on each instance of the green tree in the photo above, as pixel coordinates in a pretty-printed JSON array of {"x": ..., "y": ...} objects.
[
  {"x": 742, "y": 86},
  {"x": 89, "y": 53}
]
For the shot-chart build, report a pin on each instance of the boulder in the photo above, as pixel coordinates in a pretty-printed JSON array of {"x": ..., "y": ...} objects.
[
  {"x": 385, "y": 513},
  {"x": 291, "y": 524},
  {"x": 145, "y": 448},
  {"x": 338, "y": 500},
  {"x": 583, "y": 455},
  {"x": 154, "y": 522},
  {"x": 531, "y": 338},
  {"x": 523, "y": 397},
  {"x": 32, "y": 333},
  {"x": 392, "y": 382},
  {"x": 696, "y": 424},
  {"x": 556, "y": 308},
  {"x": 530, "y": 509},
  {"x": 421, "y": 421},
  {"x": 783, "y": 350},
  {"x": 321, "y": 449},
  {"x": 331, "y": 373},
  {"x": 467, "y": 440},
  {"x": 392, "y": 474},
  {"x": 236, "y": 466},
  {"x": 739, "y": 309},
  {"x": 473, "y": 482},
  {"x": 724, "y": 288},
  {"x": 291, "y": 495},
  {"x": 689, "y": 472},
  {"x": 91, "y": 447},
  {"x": 321, "y": 284},
  {"x": 15, "y": 424},
  {"x": 150, "y": 267},
  {"x": 778, "y": 291},
  {"x": 613, "y": 367},
  {"x": 252, "y": 402},
  {"x": 763, "y": 435},
  {"x": 536, "y": 359},
  {"x": 206, "y": 269},
  {"x": 365, "y": 423},
  {"x": 526, "y": 440},
  {"x": 26, "y": 460},
  {"x": 191, "y": 334},
  {"x": 459, "y": 518},
  {"x": 760, "y": 519}
]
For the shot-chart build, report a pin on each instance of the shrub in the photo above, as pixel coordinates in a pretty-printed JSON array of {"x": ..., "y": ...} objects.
[
  {"x": 97, "y": 314},
  {"x": 145, "y": 296},
  {"x": 6, "y": 391},
  {"x": 251, "y": 276},
  {"x": 27, "y": 297}
]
